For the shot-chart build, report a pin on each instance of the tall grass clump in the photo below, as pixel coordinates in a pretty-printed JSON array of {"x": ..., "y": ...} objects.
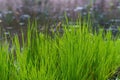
[{"x": 76, "y": 55}]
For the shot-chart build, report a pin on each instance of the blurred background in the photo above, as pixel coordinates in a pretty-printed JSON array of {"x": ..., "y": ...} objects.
[{"x": 14, "y": 14}]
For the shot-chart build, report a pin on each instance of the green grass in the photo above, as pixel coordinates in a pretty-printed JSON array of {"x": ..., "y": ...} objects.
[{"x": 77, "y": 55}]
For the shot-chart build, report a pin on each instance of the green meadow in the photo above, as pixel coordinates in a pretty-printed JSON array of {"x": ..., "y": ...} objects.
[{"x": 76, "y": 55}]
